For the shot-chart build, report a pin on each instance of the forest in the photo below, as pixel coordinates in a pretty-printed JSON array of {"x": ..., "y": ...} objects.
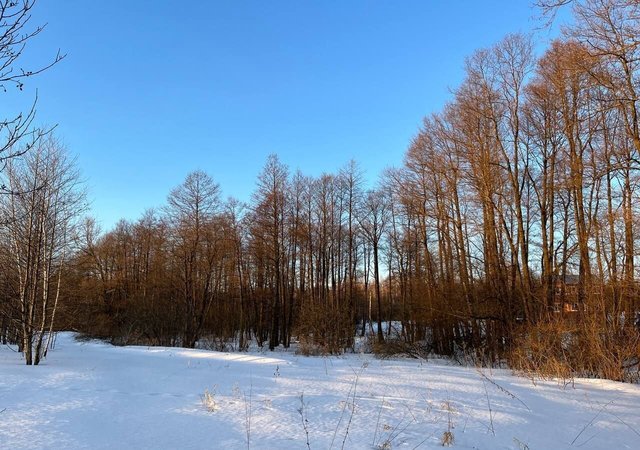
[{"x": 507, "y": 237}]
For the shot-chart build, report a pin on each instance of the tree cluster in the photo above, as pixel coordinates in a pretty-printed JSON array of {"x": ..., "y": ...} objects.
[
  {"x": 508, "y": 234},
  {"x": 38, "y": 200}
]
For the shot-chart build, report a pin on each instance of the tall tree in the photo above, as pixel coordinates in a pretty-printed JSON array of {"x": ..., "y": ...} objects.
[
  {"x": 43, "y": 210},
  {"x": 373, "y": 218},
  {"x": 271, "y": 198},
  {"x": 192, "y": 211}
]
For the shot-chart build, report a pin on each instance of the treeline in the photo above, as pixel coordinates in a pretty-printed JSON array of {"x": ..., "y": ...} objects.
[
  {"x": 295, "y": 263},
  {"x": 509, "y": 233}
]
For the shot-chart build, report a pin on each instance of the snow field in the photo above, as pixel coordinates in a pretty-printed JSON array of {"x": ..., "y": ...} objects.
[{"x": 95, "y": 396}]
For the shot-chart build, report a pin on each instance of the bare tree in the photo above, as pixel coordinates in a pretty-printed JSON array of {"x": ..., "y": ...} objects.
[
  {"x": 43, "y": 215},
  {"x": 351, "y": 179},
  {"x": 373, "y": 218},
  {"x": 15, "y": 34},
  {"x": 271, "y": 210},
  {"x": 192, "y": 211}
]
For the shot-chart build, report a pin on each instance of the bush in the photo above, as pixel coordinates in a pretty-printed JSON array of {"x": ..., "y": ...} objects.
[
  {"x": 324, "y": 329},
  {"x": 399, "y": 347},
  {"x": 581, "y": 345}
]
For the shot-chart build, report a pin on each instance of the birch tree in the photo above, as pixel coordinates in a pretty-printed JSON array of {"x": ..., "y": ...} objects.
[{"x": 43, "y": 211}]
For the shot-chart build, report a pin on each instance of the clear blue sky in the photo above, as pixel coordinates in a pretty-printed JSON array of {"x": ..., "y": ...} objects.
[{"x": 151, "y": 90}]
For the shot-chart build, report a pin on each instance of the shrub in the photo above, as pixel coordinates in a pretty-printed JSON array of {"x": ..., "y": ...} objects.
[
  {"x": 324, "y": 328},
  {"x": 588, "y": 345}
]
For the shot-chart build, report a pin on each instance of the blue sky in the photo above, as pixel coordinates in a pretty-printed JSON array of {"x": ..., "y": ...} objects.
[{"x": 151, "y": 90}]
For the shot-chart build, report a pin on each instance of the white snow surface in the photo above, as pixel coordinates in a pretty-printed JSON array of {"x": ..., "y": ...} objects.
[{"x": 90, "y": 395}]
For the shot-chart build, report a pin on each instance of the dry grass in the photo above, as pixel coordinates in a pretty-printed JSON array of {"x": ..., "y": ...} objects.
[
  {"x": 447, "y": 439},
  {"x": 585, "y": 345},
  {"x": 209, "y": 400}
]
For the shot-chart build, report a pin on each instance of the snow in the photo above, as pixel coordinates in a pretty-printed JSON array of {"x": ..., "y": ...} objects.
[{"x": 90, "y": 395}]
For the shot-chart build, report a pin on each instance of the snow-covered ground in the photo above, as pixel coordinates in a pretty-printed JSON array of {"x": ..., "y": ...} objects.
[{"x": 95, "y": 396}]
